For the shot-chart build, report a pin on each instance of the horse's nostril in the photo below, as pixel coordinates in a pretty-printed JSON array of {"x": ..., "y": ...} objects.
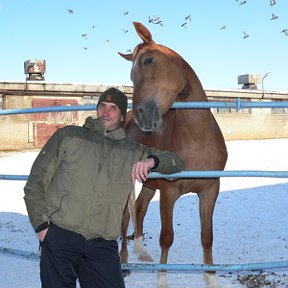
[{"x": 141, "y": 114}]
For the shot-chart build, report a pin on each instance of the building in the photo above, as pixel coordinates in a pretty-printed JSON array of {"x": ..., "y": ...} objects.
[{"x": 31, "y": 130}]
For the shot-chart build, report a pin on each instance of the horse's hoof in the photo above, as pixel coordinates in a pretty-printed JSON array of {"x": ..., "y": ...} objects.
[
  {"x": 126, "y": 273},
  {"x": 211, "y": 280},
  {"x": 145, "y": 258},
  {"x": 162, "y": 281}
]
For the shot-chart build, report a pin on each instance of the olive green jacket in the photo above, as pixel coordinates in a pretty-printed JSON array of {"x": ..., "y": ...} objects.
[{"x": 81, "y": 179}]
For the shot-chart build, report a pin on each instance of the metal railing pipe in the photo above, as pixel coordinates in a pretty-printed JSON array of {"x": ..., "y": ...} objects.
[
  {"x": 192, "y": 174},
  {"x": 237, "y": 104}
]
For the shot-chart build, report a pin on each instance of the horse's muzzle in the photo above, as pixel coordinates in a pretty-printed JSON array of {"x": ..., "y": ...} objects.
[{"x": 148, "y": 117}]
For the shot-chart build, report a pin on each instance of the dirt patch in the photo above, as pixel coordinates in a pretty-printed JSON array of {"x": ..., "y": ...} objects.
[{"x": 263, "y": 280}]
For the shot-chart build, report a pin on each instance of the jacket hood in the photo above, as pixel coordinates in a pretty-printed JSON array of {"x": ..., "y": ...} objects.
[{"x": 96, "y": 124}]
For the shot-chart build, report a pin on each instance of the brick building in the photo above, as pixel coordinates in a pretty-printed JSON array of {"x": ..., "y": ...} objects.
[{"x": 31, "y": 130}]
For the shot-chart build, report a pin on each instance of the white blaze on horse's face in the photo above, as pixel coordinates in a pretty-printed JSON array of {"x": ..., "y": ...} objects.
[{"x": 157, "y": 81}]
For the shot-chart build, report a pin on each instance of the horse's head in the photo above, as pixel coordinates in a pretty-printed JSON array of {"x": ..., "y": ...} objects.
[{"x": 158, "y": 78}]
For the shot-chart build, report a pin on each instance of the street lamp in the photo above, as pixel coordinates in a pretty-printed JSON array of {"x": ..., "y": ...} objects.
[{"x": 266, "y": 75}]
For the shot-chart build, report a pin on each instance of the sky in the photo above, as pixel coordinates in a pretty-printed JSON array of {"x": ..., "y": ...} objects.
[
  {"x": 250, "y": 224},
  {"x": 81, "y": 46}
]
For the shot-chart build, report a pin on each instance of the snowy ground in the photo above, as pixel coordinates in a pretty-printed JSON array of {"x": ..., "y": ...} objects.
[{"x": 250, "y": 223}]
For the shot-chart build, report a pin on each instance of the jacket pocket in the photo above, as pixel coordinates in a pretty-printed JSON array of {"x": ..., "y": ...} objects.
[
  {"x": 46, "y": 238},
  {"x": 55, "y": 204}
]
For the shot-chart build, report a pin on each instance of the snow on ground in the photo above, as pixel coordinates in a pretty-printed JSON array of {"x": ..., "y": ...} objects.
[{"x": 250, "y": 223}]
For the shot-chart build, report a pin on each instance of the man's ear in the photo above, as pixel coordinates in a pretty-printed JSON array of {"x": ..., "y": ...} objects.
[{"x": 122, "y": 118}]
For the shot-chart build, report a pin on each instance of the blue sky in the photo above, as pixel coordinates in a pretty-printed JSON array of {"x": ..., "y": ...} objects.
[{"x": 33, "y": 29}]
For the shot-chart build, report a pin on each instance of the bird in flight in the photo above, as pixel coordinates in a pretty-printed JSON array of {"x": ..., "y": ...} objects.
[
  {"x": 154, "y": 19},
  {"x": 188, "y": 17},
  {"x": 285, "y": 31},
  {"x": 125, "y": 31},
  {"x": 84, "y": 36},
  {"x": 70, "y": 11},
  {"x": 223, "y": 27},
  {"x": 159, "y": 22},
  {"x": 245, "y": 35},
  {"x": 126, "y": 13},
  {"x": 184, "y": 25},
  {"x": 274, "y": 17},
  {"x": 242, "y": 3},
  {"x": 272, "y": 2}
]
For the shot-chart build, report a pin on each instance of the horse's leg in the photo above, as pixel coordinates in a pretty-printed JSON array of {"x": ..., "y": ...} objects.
[
  {"x": 167, "y": 201},
  {"x": 207, "y": 201},
  {"x": 142, "y": 203}
]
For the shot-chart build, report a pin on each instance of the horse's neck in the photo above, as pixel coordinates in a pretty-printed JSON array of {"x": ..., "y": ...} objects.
[
  {"x": 193, "y": 118},
  {"x": 193, "y": 90}
]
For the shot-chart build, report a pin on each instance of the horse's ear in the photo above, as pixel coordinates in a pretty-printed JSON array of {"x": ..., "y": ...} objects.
[
  {"x": 143, "y": 32},
  {"x": 128, "y": 57}
]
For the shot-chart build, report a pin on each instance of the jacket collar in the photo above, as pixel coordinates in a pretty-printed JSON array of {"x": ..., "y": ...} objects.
[{"x": 96, "y": 124}]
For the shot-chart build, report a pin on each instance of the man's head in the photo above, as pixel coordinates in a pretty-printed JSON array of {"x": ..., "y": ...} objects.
[
  {"x": 113, "y": 95},
  {"x": 111, "y": 107}
]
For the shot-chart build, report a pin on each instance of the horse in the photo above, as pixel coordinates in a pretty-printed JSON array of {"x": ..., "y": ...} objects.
[{"x": 160, "y": 76}]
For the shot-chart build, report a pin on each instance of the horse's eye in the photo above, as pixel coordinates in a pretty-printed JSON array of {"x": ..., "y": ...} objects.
[{"x": 148, "y": 61}]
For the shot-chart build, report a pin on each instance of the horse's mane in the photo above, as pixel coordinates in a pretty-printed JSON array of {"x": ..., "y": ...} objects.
[{"x": 178, "y": 57}]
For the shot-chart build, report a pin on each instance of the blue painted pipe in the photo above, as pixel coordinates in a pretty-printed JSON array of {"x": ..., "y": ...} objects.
[
  {"x": 203, "y": 267},
  {"x": 192, "y": 174},
  {"x": 217, "y": 174},
  {"x": 238, "y": 104},
  {"x": 169, "y": 267},
  {"x": 13, "y": 177}
]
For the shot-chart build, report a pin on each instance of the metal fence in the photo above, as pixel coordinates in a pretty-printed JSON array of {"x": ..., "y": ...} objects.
[{"x": 238, "y": 104}]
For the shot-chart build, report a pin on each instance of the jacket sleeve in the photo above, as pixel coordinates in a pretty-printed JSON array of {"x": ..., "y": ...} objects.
[
  {"x": 169, "y": 162},
  {"x": 41, "y": 175}
]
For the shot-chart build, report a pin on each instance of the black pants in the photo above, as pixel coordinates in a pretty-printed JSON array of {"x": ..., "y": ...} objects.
[{"x": 67, "y": 256}]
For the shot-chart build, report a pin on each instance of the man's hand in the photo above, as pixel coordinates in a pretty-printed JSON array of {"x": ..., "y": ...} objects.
[
  {"x": 41, "y": 235},
  {"x": 140, "y": 170}
]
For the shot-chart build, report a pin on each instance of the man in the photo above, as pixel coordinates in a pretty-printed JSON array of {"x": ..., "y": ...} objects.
[{"x": 77, "y": 191}]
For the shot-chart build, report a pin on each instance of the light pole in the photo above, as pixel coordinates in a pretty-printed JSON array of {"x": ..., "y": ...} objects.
[{"x": 266, "y": 74}]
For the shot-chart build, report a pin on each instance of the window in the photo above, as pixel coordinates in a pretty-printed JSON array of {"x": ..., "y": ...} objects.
[
  {"x": 230, "y": 110},
  {"x": 280, "y": 110}
]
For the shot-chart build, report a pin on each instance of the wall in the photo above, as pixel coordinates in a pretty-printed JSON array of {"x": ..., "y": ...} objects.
[{"x": 24, "y": 131}]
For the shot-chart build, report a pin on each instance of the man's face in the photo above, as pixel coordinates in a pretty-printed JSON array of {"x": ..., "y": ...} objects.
[{"x": 110, "y": 114}]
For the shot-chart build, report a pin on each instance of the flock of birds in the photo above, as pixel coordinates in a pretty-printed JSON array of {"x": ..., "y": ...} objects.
[
  {"x": 274, "y": 17},
  {"x": 187, "y": 19},
  {"x": 154, "y": 20}
]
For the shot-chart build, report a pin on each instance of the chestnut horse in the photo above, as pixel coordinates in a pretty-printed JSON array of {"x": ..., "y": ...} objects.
[{"x": 160, "y": 77}]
